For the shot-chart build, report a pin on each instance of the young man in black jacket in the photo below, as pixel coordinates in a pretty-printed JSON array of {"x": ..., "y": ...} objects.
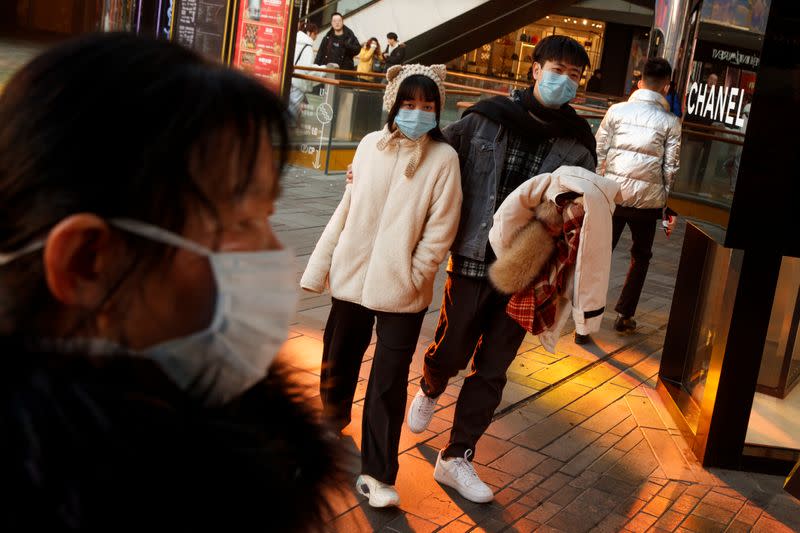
[
  {"x": 501, "y": 143},
  {"x": 395, "y": 52},
  {"x": 339, "y": 45}
]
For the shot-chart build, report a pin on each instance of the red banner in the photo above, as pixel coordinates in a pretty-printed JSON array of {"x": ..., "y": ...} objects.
[{"x": 261, "y": 39}]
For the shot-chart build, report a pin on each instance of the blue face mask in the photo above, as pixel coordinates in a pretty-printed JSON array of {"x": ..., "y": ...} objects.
[
  {"x": 415, "y": 123},
  {"x": 556, "y": 89}
]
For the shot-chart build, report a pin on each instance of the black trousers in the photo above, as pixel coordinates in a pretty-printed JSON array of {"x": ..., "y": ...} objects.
[
  {"x": 347, "y": 336},
  {"x": 643, "y": 231},
  {"x": 473, "y": 324}
]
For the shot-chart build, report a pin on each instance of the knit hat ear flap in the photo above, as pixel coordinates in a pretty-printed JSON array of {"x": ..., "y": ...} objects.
[
  {"x": 393, "y": 72},
  {"x": 440, "y": 70}
]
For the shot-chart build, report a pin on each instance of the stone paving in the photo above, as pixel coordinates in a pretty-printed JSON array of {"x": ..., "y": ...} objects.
[{"x": 581, "y": 441}]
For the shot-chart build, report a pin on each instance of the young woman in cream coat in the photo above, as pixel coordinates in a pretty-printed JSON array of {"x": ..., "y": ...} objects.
[{"x": 379, "y": 255}]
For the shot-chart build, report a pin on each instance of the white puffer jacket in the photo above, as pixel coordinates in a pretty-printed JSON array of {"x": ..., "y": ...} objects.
[
  {"x": 303, "y": 57},
  {"x": 588, "y": 283},
  {"x": 638, "y": 146}
]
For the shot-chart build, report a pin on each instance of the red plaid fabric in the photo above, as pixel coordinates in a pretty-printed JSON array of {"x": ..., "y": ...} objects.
[{"x": 535, "y": 308}]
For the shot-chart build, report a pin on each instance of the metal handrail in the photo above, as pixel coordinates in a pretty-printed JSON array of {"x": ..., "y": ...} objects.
[
  {"x": 457, "y": 89},
  {"x": 456, "y": 86},
  {"x": 499, "y": 81},
  {"x": 694, "y": 125},
  {"x": 713, "y": 137}
]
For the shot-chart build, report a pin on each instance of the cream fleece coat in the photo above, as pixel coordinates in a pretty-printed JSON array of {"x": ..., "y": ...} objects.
[{"x": 389, "y": 234}]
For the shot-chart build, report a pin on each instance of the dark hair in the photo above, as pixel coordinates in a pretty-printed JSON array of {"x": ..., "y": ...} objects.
[
  {"x": 411, "y": 88},
  {"x": 561, "y": 48},
  {"x": 120, "y": 126},
  {"x": 372, "y": 39},
  {"x": 337, "y": 13},
  {"x": 391, "y": 35},
  {"x": 657, "y": 71},
  {"x": 308, "y": 27}
]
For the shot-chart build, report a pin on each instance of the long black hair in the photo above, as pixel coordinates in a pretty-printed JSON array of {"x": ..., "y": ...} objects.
[
  {"x": 120, "y": 126},
  {"x": 425, "y": 88}
]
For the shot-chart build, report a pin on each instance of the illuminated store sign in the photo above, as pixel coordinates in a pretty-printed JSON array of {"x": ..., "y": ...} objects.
[{"x": 717, "y": 103}]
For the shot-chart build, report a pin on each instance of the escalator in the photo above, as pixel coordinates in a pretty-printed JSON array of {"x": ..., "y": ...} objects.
[{"x": 434, "y": 32}]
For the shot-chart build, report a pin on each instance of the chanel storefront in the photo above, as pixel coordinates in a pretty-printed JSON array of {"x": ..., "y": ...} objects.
[{"x": 731, "y": 359}]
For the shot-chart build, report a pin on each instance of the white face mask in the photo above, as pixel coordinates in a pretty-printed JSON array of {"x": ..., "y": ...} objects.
[{"x": 256, "y": 300}]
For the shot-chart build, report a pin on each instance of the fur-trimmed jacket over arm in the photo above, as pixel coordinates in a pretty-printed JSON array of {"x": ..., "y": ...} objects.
[{"x": 589, "y": 281}]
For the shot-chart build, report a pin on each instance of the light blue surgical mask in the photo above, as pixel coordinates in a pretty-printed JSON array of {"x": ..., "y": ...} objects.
[
  {"x": 556, "y": 89},
  {"x": 255, "y": 302},
  {"x": 414, "y": 123}
]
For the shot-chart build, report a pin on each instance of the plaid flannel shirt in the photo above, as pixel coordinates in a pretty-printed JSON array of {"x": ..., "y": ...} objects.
[
  {"x": 522, "y": 162},
  {"x": 535, "y": 308}
]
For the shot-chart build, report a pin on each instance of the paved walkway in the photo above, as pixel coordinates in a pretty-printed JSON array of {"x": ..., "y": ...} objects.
[{"x": 581, "y": 440}]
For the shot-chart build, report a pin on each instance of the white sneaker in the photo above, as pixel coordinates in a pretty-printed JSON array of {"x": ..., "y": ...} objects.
[
  {"x": 379, "y": 494},
  {"x": 459, "y": 474},
  {"x": 421, "y": 412}
]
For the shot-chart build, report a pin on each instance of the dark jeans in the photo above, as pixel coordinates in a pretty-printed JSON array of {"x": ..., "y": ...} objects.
[
  {"x": 643, "y": 231},
  {"x": 472, "y": 324},
  {"x": 347, "y": 336}
]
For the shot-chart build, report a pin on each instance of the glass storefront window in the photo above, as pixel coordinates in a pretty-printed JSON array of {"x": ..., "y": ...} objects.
[
  {"x": 511, "y": 56},
  {"x": 775, "y": 416},
  {"x": 720, "y": 81},
  {"x": 120, "y": 15}
]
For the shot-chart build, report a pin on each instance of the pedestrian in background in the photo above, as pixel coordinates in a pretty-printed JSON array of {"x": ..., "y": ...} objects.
[
  {"x": 340, "y": 45},
  {"x": 144, "y": 297},
  {"x": 379, "y": 255},
  {"x": 595, "y": 83},
  {"x": 395, "y": 52},
  {"x": 674, "y": 101},
  {"x": 303, "y": 57},
  {"x": 638, "y": 146},
  {"x": 368, "y": 58}
]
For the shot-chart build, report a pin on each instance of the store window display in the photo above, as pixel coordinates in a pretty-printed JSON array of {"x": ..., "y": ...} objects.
[{"x": 511, "y": 56}]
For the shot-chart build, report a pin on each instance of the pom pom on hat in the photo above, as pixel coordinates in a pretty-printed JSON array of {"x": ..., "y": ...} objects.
[{"x": 396, "y": 74}]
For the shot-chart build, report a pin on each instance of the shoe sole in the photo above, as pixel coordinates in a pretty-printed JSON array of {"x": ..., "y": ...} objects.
[
  {"x": 420, "y": 430},
  {"x": 376, "y": 505},
  {"x": 446, "y": 482}
]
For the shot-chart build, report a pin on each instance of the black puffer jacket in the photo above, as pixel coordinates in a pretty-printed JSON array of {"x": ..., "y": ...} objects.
[
  {"x": 339, "y": 49},
  {"x": 111, "y": 444}
]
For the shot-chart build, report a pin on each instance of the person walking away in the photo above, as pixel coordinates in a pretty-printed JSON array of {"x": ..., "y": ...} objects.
[
  {"x": 141, "y": 315},
  {"x": 303, "y": 57},
  {"x": 638, "y": 145},
  {"x": 340, "y": 45},
  {"x": 395, "y": 52},
  {"x": 370, "y": 53},
  {"x": 674, "y": 100},
  {"x": 379, "y": 255},
  {"x": 595, "y": 82},
  {"x": 501, "y": 143}
]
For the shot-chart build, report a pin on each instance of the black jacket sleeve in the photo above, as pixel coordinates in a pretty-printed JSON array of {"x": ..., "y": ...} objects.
[
  {"x": 352, "y": 45},
  {"x": 399, "y": 55}
]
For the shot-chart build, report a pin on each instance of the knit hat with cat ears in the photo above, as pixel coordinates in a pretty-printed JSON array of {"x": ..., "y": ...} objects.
[{"x": 398, "y": 73}]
